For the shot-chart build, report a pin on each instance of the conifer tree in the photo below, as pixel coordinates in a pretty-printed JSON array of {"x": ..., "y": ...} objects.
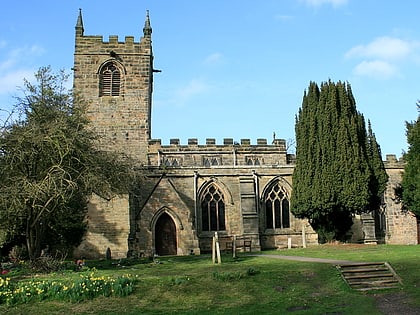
[
  {"x": 338, "y": 170},
  {"x": 411, "y": 177}
]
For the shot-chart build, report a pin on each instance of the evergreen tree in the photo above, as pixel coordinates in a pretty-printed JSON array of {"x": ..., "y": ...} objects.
[
  {"x": 411, "y": 177},
  {"x": 379, "y": 178},
  {"x": 338, "y": 166}
]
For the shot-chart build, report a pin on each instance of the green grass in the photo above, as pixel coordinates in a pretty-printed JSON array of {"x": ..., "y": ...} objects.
[{"x": 247, "y": 285}]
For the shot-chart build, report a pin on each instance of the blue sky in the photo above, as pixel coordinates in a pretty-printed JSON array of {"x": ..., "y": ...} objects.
[{"x": 237, "y": 68}]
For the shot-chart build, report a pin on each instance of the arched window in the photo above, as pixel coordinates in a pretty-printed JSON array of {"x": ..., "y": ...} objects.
[
  {"x": 213, "y": 209},
  {"x": 110, "y": 80},
  {"x": 277, "y": 215}
]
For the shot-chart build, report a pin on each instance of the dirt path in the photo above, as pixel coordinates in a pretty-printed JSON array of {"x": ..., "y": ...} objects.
[{"x": 395, "y": 304}]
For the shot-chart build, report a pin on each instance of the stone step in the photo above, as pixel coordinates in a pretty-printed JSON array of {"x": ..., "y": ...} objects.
[
  {"x": 369, "y": 276},
  {"x": 358, "y": 270}
]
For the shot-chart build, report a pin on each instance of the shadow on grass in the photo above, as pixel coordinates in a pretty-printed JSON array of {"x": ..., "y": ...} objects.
[{"x": 191, "y": 259}]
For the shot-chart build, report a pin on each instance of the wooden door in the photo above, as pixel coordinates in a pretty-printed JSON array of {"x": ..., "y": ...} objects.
[{"x": 165, "y": 236}]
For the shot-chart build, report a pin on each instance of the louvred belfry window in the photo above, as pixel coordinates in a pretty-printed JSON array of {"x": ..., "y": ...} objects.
[{"x": 110, "y": 80}]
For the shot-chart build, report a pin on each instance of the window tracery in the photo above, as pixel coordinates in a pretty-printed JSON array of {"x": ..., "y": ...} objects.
[
  {"x": 213, "y": 209},
  {"x": 277, "y": 208}
]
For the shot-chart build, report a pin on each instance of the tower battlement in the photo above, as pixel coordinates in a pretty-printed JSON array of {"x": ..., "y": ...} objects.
[
  {"x": 96, "y": 44},
  {"x": 115, "y": 79},
  {"x": 391, "y": 161}
]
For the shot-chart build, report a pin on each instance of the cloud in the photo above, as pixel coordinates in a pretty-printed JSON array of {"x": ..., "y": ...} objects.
[
  {"x": 20, "y": 55},
  {"x": 382, "y": 57},
  {"x": 16, "y": 66},
  {"x": 214, "y": 58},
  {"x": 317, "y": 3},
  {"x": 10, "y": 81},
  {"x": 378, "y": 69},
  {"x": 283, "y": 17},
  {"x": 386, "y": 48},
  {"x": 192, "y": 89}
]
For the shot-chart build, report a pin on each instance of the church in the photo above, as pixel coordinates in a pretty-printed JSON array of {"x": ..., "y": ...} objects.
[{"x": 192, "y": 190}]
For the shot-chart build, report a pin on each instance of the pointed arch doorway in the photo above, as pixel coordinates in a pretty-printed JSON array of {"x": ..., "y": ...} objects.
[{"x": 165, "y": 236}]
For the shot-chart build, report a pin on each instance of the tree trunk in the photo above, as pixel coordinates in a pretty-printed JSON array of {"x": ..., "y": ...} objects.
[{"x": 34, "y": 236}]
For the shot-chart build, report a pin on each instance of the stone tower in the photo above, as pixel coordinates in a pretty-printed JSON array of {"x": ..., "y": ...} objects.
[{"x": 115, "y": 80}]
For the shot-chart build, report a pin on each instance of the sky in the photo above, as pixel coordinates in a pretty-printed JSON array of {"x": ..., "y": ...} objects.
[{"x": 236, "y": 68}]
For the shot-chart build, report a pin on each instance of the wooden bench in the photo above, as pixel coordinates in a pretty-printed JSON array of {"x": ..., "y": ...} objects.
[{"x": 242, "y": 243}]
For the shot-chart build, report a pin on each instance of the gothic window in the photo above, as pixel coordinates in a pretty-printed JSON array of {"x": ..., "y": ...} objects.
[
  {"x": 213, "y": 209},
  {"x": 277, "y": 215},
  {"x": 110, "y": 80}
]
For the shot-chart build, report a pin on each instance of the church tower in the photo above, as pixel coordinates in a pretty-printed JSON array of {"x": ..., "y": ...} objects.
[{"x": 115, "y": 80}]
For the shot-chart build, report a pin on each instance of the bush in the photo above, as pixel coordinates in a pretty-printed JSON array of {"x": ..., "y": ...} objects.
[
  {"x": 18, "y": 253},
  {"x": 46, "y": 265}
]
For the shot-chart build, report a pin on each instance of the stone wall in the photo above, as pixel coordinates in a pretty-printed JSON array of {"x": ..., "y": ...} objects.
[
  {"x": 108, "y": 227},
  {"x": 176, "y": 190},
  {"x": 400, "y": 225},
  {"x": 212, "y": 154}
]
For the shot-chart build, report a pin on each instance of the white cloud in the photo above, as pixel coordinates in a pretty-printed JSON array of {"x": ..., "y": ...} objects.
[
  {"x": 16, "y": 66},
  {"x": 193, "y": 88},
  {"x": 382, "y": 57},
  {"x": 386, "y": 48},
  {"x": 317, "y": 3},
  {"x": 214, "y": 58},
  {"x": 283, "y": 17},
  {"x": 10, "y": 81},
  {"x": 20, "y": 55},
  {"x": 377, "y": 69}
]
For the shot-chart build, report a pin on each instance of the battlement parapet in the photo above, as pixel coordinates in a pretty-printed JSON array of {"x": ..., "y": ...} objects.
[
  {"x": 227, "y": 142},
  {"x": 391, "y": 161},
  {"x": 96, "y": 43},
  {"x": 212, "y": 154}
]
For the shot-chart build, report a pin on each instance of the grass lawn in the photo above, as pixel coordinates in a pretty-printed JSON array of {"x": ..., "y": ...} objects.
[{"x": 246, "y": 285}]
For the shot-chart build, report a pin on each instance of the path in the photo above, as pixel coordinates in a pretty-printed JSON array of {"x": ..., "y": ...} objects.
[{"x": 308, "y": 259}]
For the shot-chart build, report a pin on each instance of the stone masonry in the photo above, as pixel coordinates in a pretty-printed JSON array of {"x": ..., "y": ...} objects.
[{"x": 192, "y": 190}]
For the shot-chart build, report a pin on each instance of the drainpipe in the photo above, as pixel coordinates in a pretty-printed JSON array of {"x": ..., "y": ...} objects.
[
  {"x": 257, "y": 190},
  {"x": 195, "y": 199}
]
